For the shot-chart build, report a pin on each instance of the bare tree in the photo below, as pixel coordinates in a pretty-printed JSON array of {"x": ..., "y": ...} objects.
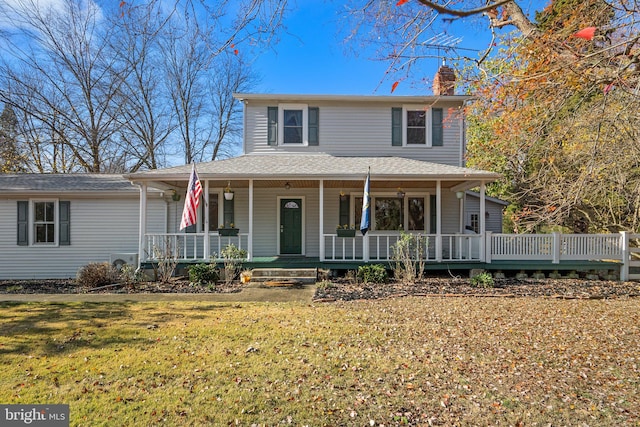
[
  {"x": 110, "y": 87},
  {"x": 68, "y": 50}
]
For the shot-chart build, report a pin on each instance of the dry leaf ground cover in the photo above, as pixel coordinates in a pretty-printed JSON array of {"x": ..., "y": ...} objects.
[{"x": 397, "y": 361}]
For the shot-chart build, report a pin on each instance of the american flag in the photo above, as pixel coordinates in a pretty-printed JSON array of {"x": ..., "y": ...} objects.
[{"x": 192, "y": 201}]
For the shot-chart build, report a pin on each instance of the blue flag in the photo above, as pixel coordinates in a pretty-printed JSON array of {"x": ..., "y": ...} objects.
[{"x": 365, "y": 222}]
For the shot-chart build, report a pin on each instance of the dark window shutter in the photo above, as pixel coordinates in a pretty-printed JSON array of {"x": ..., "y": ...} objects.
[
  {"x": 436, "y": 127},
  {"x": 64, "y": 238},
  {"x": 228, "y": 213},
  {"x": 23, "y": 223},
  {"x": 396, "y": 127},
  {"x": 314, "y": 125},
  {"x": 272, "y": 122},
  {"x": 344, "y": 211}
]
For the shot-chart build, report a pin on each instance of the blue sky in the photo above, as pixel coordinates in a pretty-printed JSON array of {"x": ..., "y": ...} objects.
[{"x": 310, "y": 57}]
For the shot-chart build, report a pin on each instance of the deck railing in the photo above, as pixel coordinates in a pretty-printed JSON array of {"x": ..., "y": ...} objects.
[
  {"x": 444, "y": 247},
  {"x": 554, "y": 247},
  {"x": 379, "y": 246},
  {"x": 189, "y": 246}
]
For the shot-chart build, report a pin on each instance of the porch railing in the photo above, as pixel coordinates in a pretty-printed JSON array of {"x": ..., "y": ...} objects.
[
  {"x": 554, "y": 247},
  {"x": 379, "y": 246},
  {"x": 189, "y": 246},
  {"x": 444, "y": 247}
]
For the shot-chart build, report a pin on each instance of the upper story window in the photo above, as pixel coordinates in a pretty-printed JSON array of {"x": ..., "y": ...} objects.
[
  {"x": 416, "y": 125},
  {"x": 293, "y": 124},
  {"x": 293, "y": 127}
]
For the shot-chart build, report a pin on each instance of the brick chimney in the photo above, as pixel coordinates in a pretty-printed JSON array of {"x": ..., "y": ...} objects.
[{"x": 444, "y": 81}]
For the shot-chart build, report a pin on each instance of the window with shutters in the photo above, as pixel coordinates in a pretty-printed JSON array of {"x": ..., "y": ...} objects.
[
  {"x": 293, "y": 124},
  {"x": 417, "y": 125},
  {"x": 44, "y": 222}
]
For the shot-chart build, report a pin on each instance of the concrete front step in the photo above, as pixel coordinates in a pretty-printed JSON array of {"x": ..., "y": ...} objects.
[{"x": 302, "y": 275}]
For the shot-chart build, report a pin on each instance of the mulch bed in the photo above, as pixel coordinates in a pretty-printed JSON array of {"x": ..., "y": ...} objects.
[
  {"x": 555, "y": 288},
  {"x": 346, "y": 290},
  {"x": 67, "y": 286}
]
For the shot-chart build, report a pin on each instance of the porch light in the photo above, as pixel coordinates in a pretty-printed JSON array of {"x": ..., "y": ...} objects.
[
  {"x": 400, "y": 193},
  {"x": 175, "y": 196},
  {"x": 460, "y": 194},
  {"x": 287, "y": 186}
]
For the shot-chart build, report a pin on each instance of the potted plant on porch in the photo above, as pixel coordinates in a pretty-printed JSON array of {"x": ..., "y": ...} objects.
[
  {"x": 228, "y": 192},
  {"x": 227, "y": 231},
  {"x": 346, "y": 231}
]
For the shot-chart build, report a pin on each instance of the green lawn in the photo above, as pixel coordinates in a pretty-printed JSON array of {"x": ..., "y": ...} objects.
[{"x": 410, "y": 361}]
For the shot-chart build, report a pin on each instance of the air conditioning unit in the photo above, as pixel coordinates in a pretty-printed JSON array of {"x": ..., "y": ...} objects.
[{"x": 118, "y": 260}]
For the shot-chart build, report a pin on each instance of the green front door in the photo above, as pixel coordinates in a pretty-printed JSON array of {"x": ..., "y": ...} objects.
[{"x": 290, "y": 226}]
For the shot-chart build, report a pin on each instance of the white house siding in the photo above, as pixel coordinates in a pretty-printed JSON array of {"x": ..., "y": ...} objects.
[
  {"x": 99, "y": 227},
  {"x": 266, "y": 221},
  {"x": 493, "y": 221},
  {"x": 357, "y": 129}
]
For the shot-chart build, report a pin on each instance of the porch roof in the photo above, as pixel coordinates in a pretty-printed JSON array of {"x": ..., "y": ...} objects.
[{"x": 317, "y": 166}]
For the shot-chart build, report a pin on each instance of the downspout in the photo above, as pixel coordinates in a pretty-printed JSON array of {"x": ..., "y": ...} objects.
[
  {"x": 482, "y": 219},
  {"x": 321, "y": 220},
  {"x": 142, "y": 225},
  {"x": 250, "y": 242},
  {"x": 438, "y": 221}
]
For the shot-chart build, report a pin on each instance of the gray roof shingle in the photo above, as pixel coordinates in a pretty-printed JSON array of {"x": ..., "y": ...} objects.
[
  {"x": 316, "y": 166},
  {"x": 56, "y": 183}
]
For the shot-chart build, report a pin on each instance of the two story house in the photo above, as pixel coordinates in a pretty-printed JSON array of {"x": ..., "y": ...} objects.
[{"x": 300, "y": 181}]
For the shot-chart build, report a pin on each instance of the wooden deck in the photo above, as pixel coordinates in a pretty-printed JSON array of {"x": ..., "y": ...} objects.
[{"x": 508, "y": 267}]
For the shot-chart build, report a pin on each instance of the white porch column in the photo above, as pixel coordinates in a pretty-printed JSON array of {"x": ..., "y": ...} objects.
[
  {"x": 142, "y": 226},
  {"x": 482, "y": 219},
  {"x": 321, "y": 219},
  {"x": 438, "y": 221},
  {"x": 250, "y": 238},
  {"x": 206, "y": 220},
  {"x": 626, "y": 256}
]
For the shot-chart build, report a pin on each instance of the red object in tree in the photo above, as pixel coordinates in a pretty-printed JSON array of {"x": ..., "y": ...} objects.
[
  {"x": 394, "y": 86},
  {"x": 401, "y": 2},
  {"x": 586, "y": 33}
]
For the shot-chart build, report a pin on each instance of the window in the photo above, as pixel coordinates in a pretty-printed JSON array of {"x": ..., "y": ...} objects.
[
  {"x": 292, "y": 127},
  {"x": 391, "y": 213},
  {"x": 293, "y": 124},
  {"x": 213, "y": 212},
  {"x": 416, "y": 213},
  {"x": 475, "y": 222},
  {"x": 44, "y": 222},
  {"x": 416, "y": 125},
  {"x": 388, "y": 213}
]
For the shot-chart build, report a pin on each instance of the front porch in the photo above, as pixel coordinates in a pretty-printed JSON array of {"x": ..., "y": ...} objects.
[{"x": 494, "y": 252}]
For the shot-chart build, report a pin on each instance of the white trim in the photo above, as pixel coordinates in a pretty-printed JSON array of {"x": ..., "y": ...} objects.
[
  {"x": 32, "y": 223},
  {"x": 428, "y": 124},
  {"x": 303, "y": 250},
  {"x": 305, "y": 123}
]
